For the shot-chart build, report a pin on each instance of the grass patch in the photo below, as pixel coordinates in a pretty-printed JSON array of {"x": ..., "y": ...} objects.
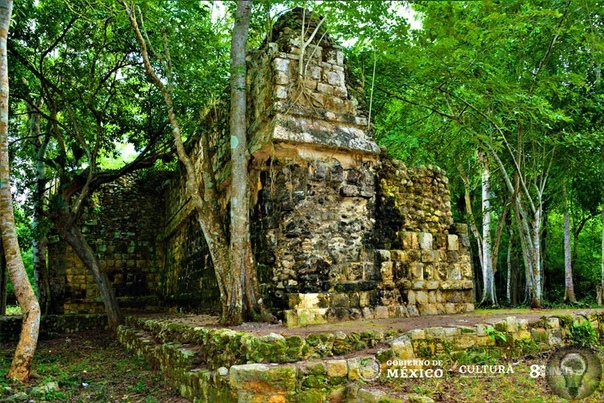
[
  {"x": 457, "y": 386},
  {"x": 90, "y": 367}
]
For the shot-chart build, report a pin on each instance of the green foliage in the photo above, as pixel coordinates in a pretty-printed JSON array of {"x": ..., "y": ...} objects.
[
  {"x": 583, "y": 333},
  {"x": 28, "y": 262},
  {"x": 13, "y": 310},
  {"x": 479, "y": 356},
  {"x": 495, "y": 334},
  {"x": 585, "y": 262}
]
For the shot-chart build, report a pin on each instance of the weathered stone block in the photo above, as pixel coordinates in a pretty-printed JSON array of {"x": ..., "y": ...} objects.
[
  {"x": 433, "y": 285},
  {"x": 337, "y": 368},
  {"x": 263, "y": 379},
  {"x": 425, "y": 240},
  {"x": 411, "y": 297},
  {"x": 454, "y": 272},
  {"x": 419, "y": 285},
  {"x": 416, "y": 270},
  {"x": 325, "y": 88},
  {"x": 421, "y": 297},
  {"x": 429, "y": 256},
  {"x": 453, "y": 242},
  {"x": 349, "y": 190},
  {"x": 386, "y": 271},
  {"x": 381, "y": 312},
  {"x": 409, "y": 240},
  {"x": 402, "y": 347},
  {"x": 511, "y": 324}
]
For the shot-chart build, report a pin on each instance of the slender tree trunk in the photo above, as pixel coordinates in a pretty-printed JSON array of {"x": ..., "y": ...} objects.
[
  {"x": 242, "y": 263},
  {"x": 508, "y": 285},
  {"x": 21, "y": 365},
  {"x": 64, "y": 223},
  {"x": 569, "y": 291},
  {"x": 39, "y": 236},
  {"x": 602, "y": 257},
  {"x": 537, "y": 263},
  {"x": 3, "y": 281},
  {"x": 529, "y": 232},
  {"x": 240, "y": 188},
  {"x": 479, "y": 244},
  {"x": 488, "y": 275},
  {"x": 200, "y": 186}
]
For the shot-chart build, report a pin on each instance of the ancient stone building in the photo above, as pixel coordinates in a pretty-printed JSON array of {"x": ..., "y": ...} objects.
[{"x": 340, "y": 231}]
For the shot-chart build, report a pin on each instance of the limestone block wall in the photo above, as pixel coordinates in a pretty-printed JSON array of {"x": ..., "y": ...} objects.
[
  {"x": 210, "y": 364},
  {"x": 340, "y": 231},
  {"x": 189, "y": 280},
  {"x": 121, "y": 224},
  {"x": 310, "y": 224},
  {"x": 308, "y": 102}
]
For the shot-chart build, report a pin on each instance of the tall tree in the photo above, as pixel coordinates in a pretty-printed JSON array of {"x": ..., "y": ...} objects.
[
  {"x": 234, "y": 268},
  {"x": 569, "y": 290},
  {"x": 242, "y": 263},
  {"x": 90, "y": 98},
  {"x": 201, "y": 187},
  {"x": 21, "y": 365},
  {"x": 502, "y": 77},
  {"x": 602, "y": 212}
]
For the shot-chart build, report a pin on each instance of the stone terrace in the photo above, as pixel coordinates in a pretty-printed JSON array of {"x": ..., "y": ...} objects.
[{"x": 207, "y": 363}]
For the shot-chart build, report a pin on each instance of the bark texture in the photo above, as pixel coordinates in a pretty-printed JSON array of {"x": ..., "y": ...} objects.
[
  {"x": 21, "y": 365},
  {"x": 3, "y": 281},
  {"x": 65, "y": 224},
  {"x": 39, "y": 235},
  {"x": 488, "y": 273},
  {"x": 242, "y": 264},
  {"x": 569, "y": 290},
  {"x": 200, "y": 187}
]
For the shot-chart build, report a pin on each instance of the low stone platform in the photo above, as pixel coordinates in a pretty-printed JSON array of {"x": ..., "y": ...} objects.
[{"x": 210, "y": 364}]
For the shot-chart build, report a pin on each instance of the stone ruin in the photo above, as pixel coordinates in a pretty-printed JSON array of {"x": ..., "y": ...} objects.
[{"x": 340, "y": 230}]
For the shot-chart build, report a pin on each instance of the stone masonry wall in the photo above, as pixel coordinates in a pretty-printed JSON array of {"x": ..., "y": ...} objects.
[
  {"x": 209, "y": 364},
  {"x": 339, "y": 230},
  {"x": 121, "y": 224}
]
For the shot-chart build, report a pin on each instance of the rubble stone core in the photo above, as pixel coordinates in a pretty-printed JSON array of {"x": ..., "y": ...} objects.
[{"x": 340, "y": 231}]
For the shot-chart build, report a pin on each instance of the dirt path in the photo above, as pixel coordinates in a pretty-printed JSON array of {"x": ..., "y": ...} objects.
[{"x": 400, "y": 324}]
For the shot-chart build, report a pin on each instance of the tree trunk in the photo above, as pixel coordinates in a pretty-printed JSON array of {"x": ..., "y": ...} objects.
[
  {"x": 529, "y": 231},
  {"x": 239, "y": 156},
  {"x": 39, "y": 236},
  {"x": 508, "y": 285},
  {"x": 488, "y": 275},
  {"x": 69, "y": 231},
  {"x": 3, "y": 281},
  {"x": 21, "y": 365},
  {"x": 569, "y": 291},
  {"x": 200, "y": 187},
  {"x": 242, "y": 263},
  {"x": 602, "y": 257}
]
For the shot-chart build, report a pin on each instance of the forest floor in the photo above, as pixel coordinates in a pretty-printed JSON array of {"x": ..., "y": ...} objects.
[{"x": 89, "y": 366}]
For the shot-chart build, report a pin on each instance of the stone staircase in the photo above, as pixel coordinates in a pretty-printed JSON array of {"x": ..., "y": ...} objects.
[{"x": 210, "y": 364}]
